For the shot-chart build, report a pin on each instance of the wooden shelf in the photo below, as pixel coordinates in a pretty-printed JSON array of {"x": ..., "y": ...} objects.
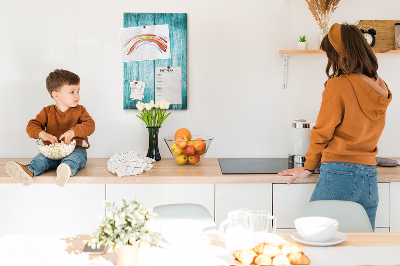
[
  {"x": 322, "y": 52},
  {"x": 287, "y": 53}
]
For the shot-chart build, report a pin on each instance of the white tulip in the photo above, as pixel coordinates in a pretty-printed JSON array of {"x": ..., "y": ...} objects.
[
  {"x": 140, "y": 106},
  {"x": 157, "y": 105},
  {"x": 163, "y": 103},
  {"x": 167, "y": 105},
  {"x": 151, "y": 103},
  {"x": 147, "y": 106}
]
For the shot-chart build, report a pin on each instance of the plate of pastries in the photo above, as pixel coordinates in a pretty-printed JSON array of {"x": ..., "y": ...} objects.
[{"x": 270, "y": 254}]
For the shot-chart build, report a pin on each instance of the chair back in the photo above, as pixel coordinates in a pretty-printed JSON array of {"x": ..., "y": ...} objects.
[
  {"x": 356, "y": 218},
  {"x": 186, "y": 211}
]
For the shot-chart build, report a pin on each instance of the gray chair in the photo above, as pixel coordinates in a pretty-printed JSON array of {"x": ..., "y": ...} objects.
[
  {"x": 186, "y": 211},
  {"x": 356, "y": 217}
]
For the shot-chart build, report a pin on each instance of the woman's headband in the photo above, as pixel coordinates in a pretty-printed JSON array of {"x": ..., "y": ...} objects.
[{"x": 335, "y": 38}]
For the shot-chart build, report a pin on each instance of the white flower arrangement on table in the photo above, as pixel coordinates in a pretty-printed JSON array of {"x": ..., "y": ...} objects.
[
  {"x": 124, "y": 226},
  {"x": 153, "y": 114}
]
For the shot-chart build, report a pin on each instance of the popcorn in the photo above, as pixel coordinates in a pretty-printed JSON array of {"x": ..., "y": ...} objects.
[{"x": 56, "y": 151}]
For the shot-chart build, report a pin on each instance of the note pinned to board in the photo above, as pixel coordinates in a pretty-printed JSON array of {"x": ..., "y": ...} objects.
[
  {"x": 168, "y": 83},
  {"x": 137, "y": 90},
  {"x": 145, "y": 43}
]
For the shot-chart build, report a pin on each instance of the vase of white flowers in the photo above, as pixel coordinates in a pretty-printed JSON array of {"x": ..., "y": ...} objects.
[
  {"x": 153, "y": 115},
  {"x": 123, "y": 229}
]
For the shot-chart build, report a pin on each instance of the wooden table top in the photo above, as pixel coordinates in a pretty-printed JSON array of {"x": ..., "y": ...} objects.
[
  {"x": 167, "y": 171},
  {"x": 68, "y": 249}
]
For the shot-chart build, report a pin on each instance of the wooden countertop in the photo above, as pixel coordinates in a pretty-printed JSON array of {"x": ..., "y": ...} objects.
[{"x": 167, "y": 171}]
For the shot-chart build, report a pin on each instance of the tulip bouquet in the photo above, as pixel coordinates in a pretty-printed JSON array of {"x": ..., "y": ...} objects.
[{"x": 153, "y": 114}]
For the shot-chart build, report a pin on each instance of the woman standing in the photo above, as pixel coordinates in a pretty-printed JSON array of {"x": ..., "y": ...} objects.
[{"x": 350, "y": 121}]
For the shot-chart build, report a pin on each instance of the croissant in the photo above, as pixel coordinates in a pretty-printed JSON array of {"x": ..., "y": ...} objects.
[
  {"x": 268, "y": 249},
  {"x": 287, "y": 248},
  {"x": 262, "y": 260},
  {"x": 298, "y": 258},
  {"x": 280, "y": 260},
  {"x": 245, "y": 256}
]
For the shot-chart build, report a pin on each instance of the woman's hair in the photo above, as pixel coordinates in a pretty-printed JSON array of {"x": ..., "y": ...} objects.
[
  {"x": 359, "y": 57},
  {"x": 59, "y": 78}
]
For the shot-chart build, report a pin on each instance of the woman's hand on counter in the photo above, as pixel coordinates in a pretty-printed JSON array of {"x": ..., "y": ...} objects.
[{"x": 297, "y": 172}]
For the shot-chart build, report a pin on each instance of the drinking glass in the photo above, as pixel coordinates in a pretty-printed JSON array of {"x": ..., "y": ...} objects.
[{"x": 259, "y": 225}]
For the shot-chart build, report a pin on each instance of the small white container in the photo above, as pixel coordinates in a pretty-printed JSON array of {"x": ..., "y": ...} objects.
[
  {"x": 302, "y": 45},
  {"x": 316, "y": 229}
]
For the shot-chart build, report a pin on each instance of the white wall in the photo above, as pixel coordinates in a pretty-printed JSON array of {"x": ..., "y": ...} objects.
[{"x": 234, "y": 71}]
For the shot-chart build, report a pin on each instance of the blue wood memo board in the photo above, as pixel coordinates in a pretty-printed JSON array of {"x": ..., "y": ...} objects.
[{"x": 145, "y": 70}]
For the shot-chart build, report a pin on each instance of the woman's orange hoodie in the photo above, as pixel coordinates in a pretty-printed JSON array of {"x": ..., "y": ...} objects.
[{"x": 350, "y": 121}]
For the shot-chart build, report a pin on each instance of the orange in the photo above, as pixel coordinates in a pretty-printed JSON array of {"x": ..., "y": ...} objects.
[{"x": 184, "y": 131}]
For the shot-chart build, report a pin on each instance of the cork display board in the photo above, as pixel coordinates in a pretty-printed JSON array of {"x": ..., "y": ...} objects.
[{"x": 384, "y": 38}]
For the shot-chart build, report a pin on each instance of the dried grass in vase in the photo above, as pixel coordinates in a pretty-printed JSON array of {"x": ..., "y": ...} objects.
[{"x": 322, "y": 11}]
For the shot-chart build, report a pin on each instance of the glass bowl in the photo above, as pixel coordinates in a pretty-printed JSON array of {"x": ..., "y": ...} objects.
[
  {"x": 57, "y": 151},
  {"x": 189, "y": 152}
]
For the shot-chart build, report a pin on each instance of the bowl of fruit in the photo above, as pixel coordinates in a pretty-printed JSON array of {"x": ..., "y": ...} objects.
[{"x": 187, "y": 149}]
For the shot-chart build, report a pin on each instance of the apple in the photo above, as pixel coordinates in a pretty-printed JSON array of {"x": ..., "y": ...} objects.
[
  {"x": 175, "y": 150},
  {"x": 189, "y": 150},
  {"x": 181, "y": 141},
  {"x": 181, "y": 159},
  {"x": 194, "y": 159},
  {"x": 199, "y": 144},
  {"x": 201, "y": 152}
]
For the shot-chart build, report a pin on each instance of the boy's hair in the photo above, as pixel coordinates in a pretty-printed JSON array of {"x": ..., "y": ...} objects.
[
  {"x": 59, "y": 78},
  {"x": 359, "y": 57}
]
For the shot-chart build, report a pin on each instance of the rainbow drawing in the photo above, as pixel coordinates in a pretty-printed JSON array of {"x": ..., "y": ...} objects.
[{"x": 146, "y": 39}]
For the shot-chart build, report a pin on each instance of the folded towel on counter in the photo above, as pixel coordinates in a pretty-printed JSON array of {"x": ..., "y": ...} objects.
[
  {"x": 129, "y": 163},
  {"x": 386, "y": 162}
]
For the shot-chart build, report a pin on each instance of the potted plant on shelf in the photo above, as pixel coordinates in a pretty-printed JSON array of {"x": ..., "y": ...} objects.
[
  {"x": 302, "y": 44},
  {"x": 123, "y": 229}
]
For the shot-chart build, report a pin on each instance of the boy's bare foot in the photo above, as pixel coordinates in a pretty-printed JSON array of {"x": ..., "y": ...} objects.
[
  {"x": 63, "y": 174},
  {"x": 20, "y": 172}
]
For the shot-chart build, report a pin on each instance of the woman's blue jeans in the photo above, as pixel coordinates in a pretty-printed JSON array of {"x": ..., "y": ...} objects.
[
  {"x": 350, "y": 182},
  {"x": 76, "y": 160}
]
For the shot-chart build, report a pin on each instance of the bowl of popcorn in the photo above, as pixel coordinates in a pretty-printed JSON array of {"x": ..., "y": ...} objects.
[{"x": 55, "y": 151}]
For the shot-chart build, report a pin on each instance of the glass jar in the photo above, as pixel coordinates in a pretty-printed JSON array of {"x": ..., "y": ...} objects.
[
  {"x": 397, "y": 36},
  {"x": 299, "y": 142}
]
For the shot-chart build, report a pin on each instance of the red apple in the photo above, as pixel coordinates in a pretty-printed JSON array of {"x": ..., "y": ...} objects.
[
  {"x": 194, "y": 159},
  {"x": 199, "y": 144},
  {"x": 189, "y": 150},
  {"x": 201, "y": 152},
  {"x": 181, "y": 141}
]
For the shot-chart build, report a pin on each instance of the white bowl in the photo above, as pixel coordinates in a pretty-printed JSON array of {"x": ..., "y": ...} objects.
[
  {"x": 316, "y": 229},
  {"x": 181, "y": 231}
]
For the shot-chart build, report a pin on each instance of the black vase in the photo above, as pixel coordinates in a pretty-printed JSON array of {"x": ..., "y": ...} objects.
[{"x": 153, "y": 151}]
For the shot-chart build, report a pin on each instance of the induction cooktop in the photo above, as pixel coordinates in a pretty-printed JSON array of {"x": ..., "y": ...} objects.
[{"x": 253, "y": 165}]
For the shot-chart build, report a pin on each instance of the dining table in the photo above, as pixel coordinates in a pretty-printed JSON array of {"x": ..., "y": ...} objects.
[{"x": 357, "y": 249}]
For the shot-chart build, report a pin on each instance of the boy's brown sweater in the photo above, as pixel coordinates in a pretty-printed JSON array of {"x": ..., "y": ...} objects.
[
  {"x": 56, "y": 123},
  {"x": 350, "y": 121}
]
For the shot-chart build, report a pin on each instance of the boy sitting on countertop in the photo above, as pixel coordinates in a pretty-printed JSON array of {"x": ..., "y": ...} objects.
[{"x": 65, "y": 119}]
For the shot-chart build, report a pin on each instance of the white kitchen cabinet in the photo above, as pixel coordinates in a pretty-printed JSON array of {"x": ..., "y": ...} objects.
[
  {"x": 382, "y": 220},
  {"x": 394, "y": 207},
  {"x": 49, "y": 209},
  {"x": 290, "y": 201},
  {"x": 230, "y": 197},
  {"x": 159, "y": 194}
]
